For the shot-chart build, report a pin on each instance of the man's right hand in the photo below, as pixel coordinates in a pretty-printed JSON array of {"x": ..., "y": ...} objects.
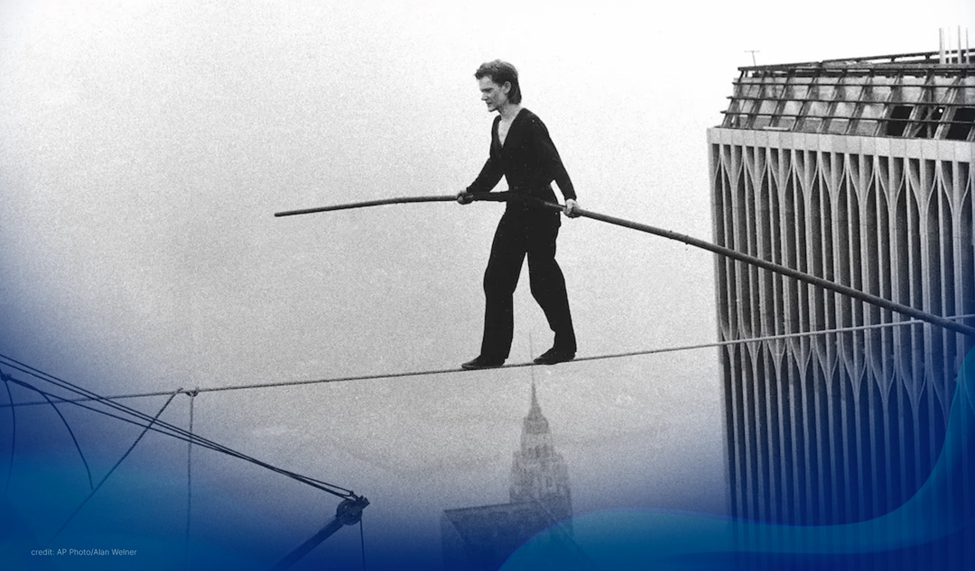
[{"x": 465, "y": 197}]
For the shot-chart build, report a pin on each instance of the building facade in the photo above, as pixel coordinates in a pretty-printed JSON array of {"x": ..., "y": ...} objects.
[{"x": 859, "y": 171}]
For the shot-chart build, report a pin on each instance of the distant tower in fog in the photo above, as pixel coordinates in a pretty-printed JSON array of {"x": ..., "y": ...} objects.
[
  {"x": 538, "y": 472},
  {"x": 859, "y": 171},
  {"x": 484, "y": 537}
]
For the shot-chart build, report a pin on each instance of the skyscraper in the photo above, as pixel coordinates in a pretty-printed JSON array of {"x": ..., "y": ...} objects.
[
  {"x": 859, "y": 171},
  {"x": 539, "y": 474},
  {"x": 483, "y": 537}
]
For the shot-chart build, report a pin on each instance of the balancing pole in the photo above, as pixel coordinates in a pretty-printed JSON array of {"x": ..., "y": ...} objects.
[
  {"x": 689, "y": 240},
  {"x": 350, "y": 206}
]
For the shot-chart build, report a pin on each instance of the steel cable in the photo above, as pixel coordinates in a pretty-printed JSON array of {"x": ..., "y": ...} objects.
[{"x": 176, "y": 432}]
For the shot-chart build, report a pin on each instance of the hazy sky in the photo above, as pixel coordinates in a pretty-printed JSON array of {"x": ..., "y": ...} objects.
[{"x": 144, "y": 147}]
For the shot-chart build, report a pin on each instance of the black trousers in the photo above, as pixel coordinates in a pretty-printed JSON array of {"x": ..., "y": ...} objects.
[{"x": 524, "y": 231}]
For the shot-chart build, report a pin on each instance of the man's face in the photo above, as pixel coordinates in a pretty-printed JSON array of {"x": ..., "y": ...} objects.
[{"x": 492, "y": 94}]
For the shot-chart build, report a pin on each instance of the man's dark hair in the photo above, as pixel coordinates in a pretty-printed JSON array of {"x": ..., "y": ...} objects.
[{"x": 500, "y": 72}]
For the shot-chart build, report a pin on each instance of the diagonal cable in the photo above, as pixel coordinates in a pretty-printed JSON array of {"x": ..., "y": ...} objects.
[
  {"x": 13, "y": 432},
  {"x": 168, "y": 428},
  {"x": 124, "y": 456},
  {"x": 181, "y": 434}
]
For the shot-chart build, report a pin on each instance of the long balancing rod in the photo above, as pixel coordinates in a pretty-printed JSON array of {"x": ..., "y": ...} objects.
[
  {"x": 350, "y": 206},
  {"x": 689, "y": 240}
]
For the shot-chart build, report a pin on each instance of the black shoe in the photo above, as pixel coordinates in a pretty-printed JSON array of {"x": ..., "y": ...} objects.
[
  {"x": 482, "y": 363},
  {"x": 553, "y": 356}
]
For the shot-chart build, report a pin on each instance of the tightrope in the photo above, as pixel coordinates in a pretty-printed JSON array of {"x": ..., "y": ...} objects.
[{"x": 582, "y": 359}]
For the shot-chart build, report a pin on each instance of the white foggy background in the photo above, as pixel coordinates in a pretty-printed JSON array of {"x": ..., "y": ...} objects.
[{"x": 144, "y": 147}]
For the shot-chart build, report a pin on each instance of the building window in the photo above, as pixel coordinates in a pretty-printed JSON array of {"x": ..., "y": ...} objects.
[
  {"x": 929, "y": 120},
  {"x": 897, "y": 122},
  {"x": 961, "y": 124}
]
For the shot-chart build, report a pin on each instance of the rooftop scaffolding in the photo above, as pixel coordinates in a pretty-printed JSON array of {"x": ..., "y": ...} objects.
[{"x": 926, "y": 95}]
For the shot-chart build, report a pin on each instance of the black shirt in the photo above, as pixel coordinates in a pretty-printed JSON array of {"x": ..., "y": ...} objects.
[{"x": 528, "y": 160}]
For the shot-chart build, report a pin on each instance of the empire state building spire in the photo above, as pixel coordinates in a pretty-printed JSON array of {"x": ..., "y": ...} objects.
[
  {"x": 538, "y": 472},
  {"x": 483, "y": 538}
]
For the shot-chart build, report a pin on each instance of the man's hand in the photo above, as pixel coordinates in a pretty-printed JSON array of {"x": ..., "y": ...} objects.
[
  {"x": 572, "y": 208},
  {"x": 465, "y": 197}
]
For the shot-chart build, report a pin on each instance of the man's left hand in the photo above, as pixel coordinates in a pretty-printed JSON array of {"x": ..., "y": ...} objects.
[{"x": 572, "y": 208}]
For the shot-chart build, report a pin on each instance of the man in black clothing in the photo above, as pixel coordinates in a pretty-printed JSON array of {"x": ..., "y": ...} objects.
[{"x": 522, "y": 151}]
